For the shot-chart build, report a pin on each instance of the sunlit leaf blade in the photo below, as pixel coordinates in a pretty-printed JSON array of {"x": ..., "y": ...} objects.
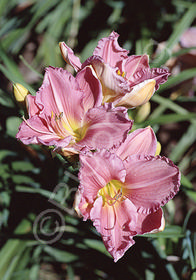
[
  {"x": 168, "y": 104},
  {"x": 185, "y": 142},
  {"x": 11, "y": 252},
  {"x": 59, "y": 255},
  {"x": 169, "y": 118},
  {"x": 168, "y": 232}
]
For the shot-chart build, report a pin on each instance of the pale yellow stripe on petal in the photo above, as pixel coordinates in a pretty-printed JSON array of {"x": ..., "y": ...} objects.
[{"x": 140, "y": 94}]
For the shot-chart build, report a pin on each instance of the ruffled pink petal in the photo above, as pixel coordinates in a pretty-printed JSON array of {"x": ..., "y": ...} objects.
[
  {"x": 32, "y": 107},
  {"x": 60, "y": 94},
  {"x": 160, "y": 75},
  {"x": 98, "y": 169},
  {"x": 91, "y": 87},
  {"x": 150, "y": 223},
  {"x": 139, "y": 95},
  {"x": 36, "y": 130},
  {"x": 69, "y": 57},
  {"x": 107, "y": 127},
  {"x": 109, "y": 49},
  {"x": 134, "y": 64},
  {"x": 141, "y": 141},
  {"x": 83, "y": 207},
  {"x": 150, "y": 182},
  {"x": 113, "y": 85},
  {"x": 115, "y": 223}
]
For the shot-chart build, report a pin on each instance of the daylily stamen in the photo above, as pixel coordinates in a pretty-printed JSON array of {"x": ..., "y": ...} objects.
[
  {"x": 123, "y": 74},
  {"x": 58, "y": 117},
  {"x": 118, "y": 72},
  {"x": 112, "y": 192},
  {"x": 59, "y": 125}
]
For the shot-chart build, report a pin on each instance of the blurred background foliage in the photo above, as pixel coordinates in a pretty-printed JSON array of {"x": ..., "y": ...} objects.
[{"x": 31, "y": 176}]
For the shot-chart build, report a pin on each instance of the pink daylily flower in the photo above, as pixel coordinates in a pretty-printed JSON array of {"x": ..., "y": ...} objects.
[
  {"x": 126, "y": 80},
  {"x": 122, "y": 192},
  {"x": 66, "y": 113}
]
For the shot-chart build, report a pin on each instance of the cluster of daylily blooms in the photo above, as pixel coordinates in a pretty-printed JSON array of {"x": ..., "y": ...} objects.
[{"x": 123, "y": 183}]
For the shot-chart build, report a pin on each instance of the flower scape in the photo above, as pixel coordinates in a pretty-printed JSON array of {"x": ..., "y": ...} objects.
[{"x": 123, "y": 181}]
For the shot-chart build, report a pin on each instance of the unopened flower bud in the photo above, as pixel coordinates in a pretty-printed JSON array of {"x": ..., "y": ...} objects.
[
  {"x": 143, "y": 112},
  {"x": 158, "y": 150},
  {"x": 20, "y": 92}
]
